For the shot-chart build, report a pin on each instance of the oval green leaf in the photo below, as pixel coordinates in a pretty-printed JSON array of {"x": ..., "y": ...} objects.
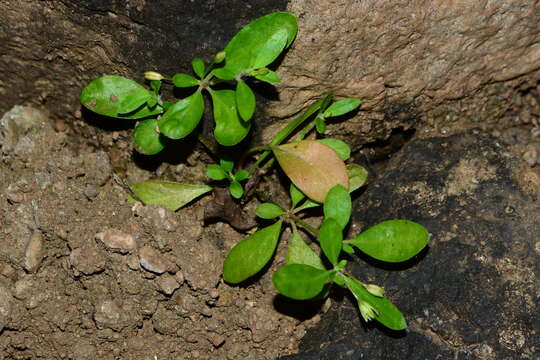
[
  {"x": 387, "y": 313},
  {"x": 338, "y": 205},
  {"x": 170, "y": 194},
  {"x": 268, "y": 76},
  {"x": 113, "y": 95},
  {"x": 183, "y": 117},
  {"x": 215, "y": 172},
  {"x": 301, "y": 282},
  {"x": 230, "y": 128},
  {"x": 250, "y": 255},
  {"x": 236, "y": 189},
  {"x": 146, "y": 137},
  {"x": 184, "y": 80},
  {"x": 313, "y": 167},
  {"x": 342, "y": 107},
  {"x": 198, "y": 67},
  {"x": 245, "y": 100},
  {"x": 357, "y": 176},
  {"x": 392, "y": 240},
  {"x": 299, "y": 252},
  {"x": 340, "y": 147},
  {"x": 259, "y": 43},
  {"x": 269, "y": 211},
  {"x": 331, "y": 238}
]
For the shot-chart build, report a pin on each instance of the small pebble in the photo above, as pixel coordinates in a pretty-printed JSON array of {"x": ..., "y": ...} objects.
[
  {"x": 117, "y": 240},
  {"x": 151, "y": 260},
  {"x": 218, "y": 340},
  {"x": 167, "y": 284},
  {"x": 34, "y": 253}
]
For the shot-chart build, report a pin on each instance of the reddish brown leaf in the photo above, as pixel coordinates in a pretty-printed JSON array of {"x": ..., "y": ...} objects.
[{"x": 313, "y": 167}]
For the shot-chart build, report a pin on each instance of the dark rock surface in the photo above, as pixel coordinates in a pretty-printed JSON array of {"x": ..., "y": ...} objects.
[
  {"x": 51, "y": 49},
  {"x": 473, "y": 293}
]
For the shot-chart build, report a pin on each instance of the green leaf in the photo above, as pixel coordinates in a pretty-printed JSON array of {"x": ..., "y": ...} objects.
[
  {"x": 269, "y": 211},
  {"x": 241, "y": 175},
  {"x": 236, "y": 189},
  {"x": 259, "y": 43},
  {"x": 112, "y": 95},
  {"x": 227, "y": 165},
  {"x": 387, "y": 313},
  {"x": 267, "y": 75},
  {"x": 301, "y": 282},
  {"x": 183, "y": 117},
  {"x": 215, "y": 172},
  {"x": 338, "y": 205},
  {"x": 313, "y": 167},
  {"x": 230, "y": 129},
  {"x": 330, "y": 238},
  {"x": 347, "y": 248},
  {"x": 296, "y": 195},
  {"x": 155, "y": 85},
  {"x": 198, "y": 67},
  {"x": 340, "y": 147},
  {"x": 224, "y": 74},
  {"x": 308, "y": 204},
  {"x": 170, "y": 194},
  {"x": 251, "y": 254},
  {"x": 184, "y": 80},
  {"x": 357, "y": 176},
  {"x": 245, "y": 100},
  {"x": 146, "y": 138},
  {"x": 299, "y": 252},
  {"x": 142, "y": 112},
  {"x": 326, "y": 102},
  {"x": 320, "y": 124},
  {"x": 342, "y": 107},
  {"x": 392, "y": 240}
]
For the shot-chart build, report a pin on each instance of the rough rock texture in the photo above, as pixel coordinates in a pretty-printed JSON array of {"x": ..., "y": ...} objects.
[
  {"x": 410, "y": 61},
  {"x": 473, "y": 293},
  {"x": 50, "y": 49}
]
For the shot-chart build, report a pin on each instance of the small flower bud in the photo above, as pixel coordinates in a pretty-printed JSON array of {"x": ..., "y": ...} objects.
[
  {"x": 375, "y": 290},
  {"x": 152, "y": 75},
  {"x": 220, "y": 56},
  {"x": 368, "y": 312}
]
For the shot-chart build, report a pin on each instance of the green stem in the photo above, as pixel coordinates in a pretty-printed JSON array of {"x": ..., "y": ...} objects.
[
  {"x": 305, "y": 225},
  {"x": 287, "y": 131}
]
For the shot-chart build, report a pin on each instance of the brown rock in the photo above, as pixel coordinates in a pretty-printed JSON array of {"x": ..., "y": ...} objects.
[
  {"x": 117, "y": 240},
  {"x": 34, "y": 253}
]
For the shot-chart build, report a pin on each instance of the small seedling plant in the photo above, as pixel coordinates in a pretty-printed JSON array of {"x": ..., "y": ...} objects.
[{"x": 316, "y": 167}]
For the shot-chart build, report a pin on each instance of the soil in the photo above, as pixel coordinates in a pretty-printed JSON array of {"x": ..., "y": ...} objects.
[{"x": 84, "y": 274}]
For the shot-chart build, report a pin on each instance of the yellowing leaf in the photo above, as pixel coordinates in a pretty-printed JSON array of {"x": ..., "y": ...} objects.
[{"x": 313, "y": 167}]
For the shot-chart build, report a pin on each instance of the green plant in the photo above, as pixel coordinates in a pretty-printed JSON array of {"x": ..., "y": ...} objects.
[{"x": 317, "y": 169}]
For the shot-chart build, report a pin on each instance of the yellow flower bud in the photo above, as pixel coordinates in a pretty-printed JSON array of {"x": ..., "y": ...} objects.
[
  {"x": 375, "y": 290},
  {"x": 220, "y": 56},
  {"x": 152, "y": 75}
]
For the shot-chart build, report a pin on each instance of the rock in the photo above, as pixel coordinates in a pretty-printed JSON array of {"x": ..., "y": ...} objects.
[
  {"x": 159, "y": 217},
  {"x": 117, "y": 240},
  {"x": 5, "y": 306},
  {"x": 84, "y": 350},
  {"x": 107, "y": 314},
  {"x": 88, "y": 259},
  {"x": 399, "y": 58},
  {"x": 167, "y": 284},
  {"x": 151, "y": 260},
  {"x": 15, "y": 126},
  {"x": 472, "y": 293},
  {"x": 34, "y": 253},
  {"x": 97, "y": 168}
]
